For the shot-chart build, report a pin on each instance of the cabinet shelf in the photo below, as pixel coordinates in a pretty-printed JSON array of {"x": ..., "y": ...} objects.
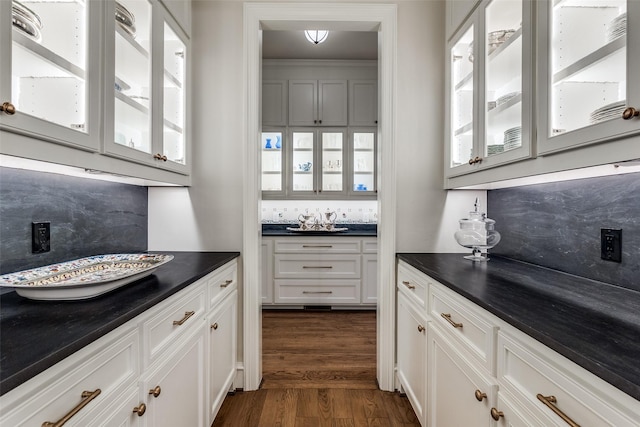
[
  {"x": 332, "y": 172},
  {"x": 466, "y": 129},
  {"x": 363, "y": 150},
  {"x": 174, "y": 127},
  {"x": 59, "y": 66},
  {"x": 273, "y": 172},
  {"x": 336, "y": 150},
  {"x": 131, "y": 102},
  {"x": 132, "y": 42},
  {"x": 172, "y": 79},
  {"x": 363, "y": 172},
  {"x": 466, "y": 83},
  {"x": 494, "y": 112},
  {"x": 597, "y": 66},
  {"x": 303, "y": 149}
]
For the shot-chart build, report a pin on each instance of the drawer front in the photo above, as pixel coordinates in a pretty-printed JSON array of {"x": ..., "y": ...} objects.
[
  {"x": 171, "y": 322},
  {"x": 370, "y": 246},
  {"x": 533, "y": 375},
  {"x": 413, "y": 284},
  {"x": 460, "y": 319},
  {"x": 221, "y": 282},
  {"x": 92, "y": 376},
  {"x": 317, "y": 292},
  {"x": 317, "y": 267},
  {"x": 342, "y": 245}
]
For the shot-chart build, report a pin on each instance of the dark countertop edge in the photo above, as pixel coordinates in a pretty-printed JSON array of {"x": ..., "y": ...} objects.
[
  {"x": 591, "y": 365},
  {"x": 17, "y": 378}
]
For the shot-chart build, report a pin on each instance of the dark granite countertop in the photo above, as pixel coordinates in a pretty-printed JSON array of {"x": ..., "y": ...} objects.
[
  {"x": 364, "y": 230},
  {"x": 594, "y": 324},
  {"x": 35, "y": 335}
]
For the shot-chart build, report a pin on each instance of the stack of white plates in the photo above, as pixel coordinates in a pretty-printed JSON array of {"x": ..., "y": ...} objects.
[
  {"x": 494, "y": 149},
  {"x": 608, "y": 112},
  {"x": 617, "y": 28},
  {"x": 512, "y": 138},
  {"x": 125, "y": 19},
  {"x": 496, "y": 38},
  {"x": 26, "y": 20}
]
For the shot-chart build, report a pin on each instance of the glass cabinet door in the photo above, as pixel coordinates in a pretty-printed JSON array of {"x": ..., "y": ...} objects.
[
  {"x": 461, "y": 57},
  {"x": 332, "y": 160},
  {"x": 132, "y": 84},
  {"x": 364, "y": 158},
  {"x": 583, "y": 70},
  {"x": 173, "y": 137},
  {"x": 47, "y": 70},
  {"x": 302, "y": 162},
  {"x": 272, "y": 160}
]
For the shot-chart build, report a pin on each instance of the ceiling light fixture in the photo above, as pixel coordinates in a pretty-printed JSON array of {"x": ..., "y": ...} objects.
[{"x": 316, "y": 36}]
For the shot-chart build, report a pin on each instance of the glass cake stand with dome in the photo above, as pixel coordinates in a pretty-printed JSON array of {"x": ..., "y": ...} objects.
[{"x": 477, "y": 233}]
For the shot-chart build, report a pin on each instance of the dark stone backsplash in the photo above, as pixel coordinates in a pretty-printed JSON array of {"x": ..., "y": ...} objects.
[
  {"x": 88, "y": 217},
  {"x": 557, "y": 225}
]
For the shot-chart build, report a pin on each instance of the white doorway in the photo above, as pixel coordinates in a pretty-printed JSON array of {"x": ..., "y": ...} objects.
[{"x": 343, "y": 17}]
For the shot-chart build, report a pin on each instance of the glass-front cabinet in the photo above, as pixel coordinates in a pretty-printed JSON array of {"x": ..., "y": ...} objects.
[
  {"x": 308, "y": 163},
  {"x": 489, "y": 65},
  {"x": 149, "y": 86},
  {"x": 587, "y": 64},
  {"x": 50, "y": 68}
]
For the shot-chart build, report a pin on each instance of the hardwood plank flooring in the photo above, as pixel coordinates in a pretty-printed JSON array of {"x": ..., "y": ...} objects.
[{"x": 319, "y": 369}]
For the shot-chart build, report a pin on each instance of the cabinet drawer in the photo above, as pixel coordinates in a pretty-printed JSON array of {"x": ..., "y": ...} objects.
[
  {"x": 413, "y": 284},
  {"x": 369, "y": 246},
  {"x": 320, "y": 246},
  {"x": 317, "y": 292},
  {"x": 317, "y": 267},
  {"x": 102, "y": 370},
  {"x": 460, "y": 319},
  {"x": 221, "y": 282},
  {"x": 171, "y": 322},
  {"x": 533, "y": 373}
]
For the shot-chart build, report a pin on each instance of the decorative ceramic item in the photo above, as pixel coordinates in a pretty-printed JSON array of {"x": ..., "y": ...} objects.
[
  {"x": 278, "y": 142},
  {"x": 83, "y": 278},
  {"x": 477, "y": 233},
  {"x": 268, "y": 144}
]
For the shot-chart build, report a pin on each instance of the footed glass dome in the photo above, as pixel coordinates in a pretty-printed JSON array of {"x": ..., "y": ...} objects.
[{"x": 477, "y": 233}]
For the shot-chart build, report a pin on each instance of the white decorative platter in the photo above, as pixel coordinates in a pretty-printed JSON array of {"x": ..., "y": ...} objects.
[
  {"x": 315, "y": 230},
  {"x": 83, "y": 278}
]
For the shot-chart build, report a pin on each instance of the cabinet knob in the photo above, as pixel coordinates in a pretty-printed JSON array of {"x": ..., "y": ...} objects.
[
  {"x": 475, "y": 160},
  {"x": 420, "y": 328},
  {"x": 480, "y": 395},
  {"x": 495, "y": 414},
  {"x": 214, "y": 326},
  {"x": 8, "y": 108},
  {"x": 140, "y": 410},
  {"x": 159, "y": 156},
  {"x": 630, "y": 113},
  {"x": 155, "y": 391}
]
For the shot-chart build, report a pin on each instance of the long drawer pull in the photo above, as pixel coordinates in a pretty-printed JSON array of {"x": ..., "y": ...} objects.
[
  {"x": 318, "y": 246},
  {"x": 317, "y": 292},
  {"x": 226, "y": 283},
  {"x": 408, "y": 284},
  {"x": 317, "y": 266},
  {"x": 549, "y": 401},
  {"x": 87, "y": 396},
  {"x": 447, "y": 317},
  {"x": 187, "y": 315}
]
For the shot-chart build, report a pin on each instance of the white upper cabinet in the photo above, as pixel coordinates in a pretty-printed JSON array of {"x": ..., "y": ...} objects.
[
  {"x": 456, "y": 12},
  {"x": 583, "y": 68},
  {"x": 145, "y": 119},
  {"x": 489, "y": 72},
  {"x": 317, "y": 102},
  {"x": 181, "y": 12},
  {"x": 274, "y": 103},
  {"x": 50, "y": 69},
  {"x": 363, "y": 103}
]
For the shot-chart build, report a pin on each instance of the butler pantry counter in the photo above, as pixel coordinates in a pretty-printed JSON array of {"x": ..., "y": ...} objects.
[
  {"x": 35, "y": 335},
  {"x": 525, "y": 339}
]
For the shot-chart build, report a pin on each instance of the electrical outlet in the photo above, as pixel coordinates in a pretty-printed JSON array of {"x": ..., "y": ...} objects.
[
  {"x": 40, "y": 237},
  {"x": 611, "y": 244}
]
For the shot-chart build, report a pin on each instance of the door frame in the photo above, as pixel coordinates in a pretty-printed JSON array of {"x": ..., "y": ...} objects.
[{"x": 330, "y": 16}]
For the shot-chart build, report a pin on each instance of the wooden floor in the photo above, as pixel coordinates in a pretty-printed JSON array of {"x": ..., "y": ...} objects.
[{"x": 319, "y": 369}]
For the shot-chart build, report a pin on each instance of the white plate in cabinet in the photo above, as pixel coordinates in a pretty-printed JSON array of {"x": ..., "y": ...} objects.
[
  {"x": 174, "y": 389},
  {"x": 162, "y": 329},
  {"x": 552, "y": 387},
  {"x": 317, "y": 292},
  {"x": 458, "y": 317},
  {"x": 454, "y": 383},
  {"x": 342, "y": 246},
  {"x": 413, "y": 284},
  {"x": 223, "y": 282},
  {"x": 84, "y": 381},
  {"x": 303, "y": 266}
]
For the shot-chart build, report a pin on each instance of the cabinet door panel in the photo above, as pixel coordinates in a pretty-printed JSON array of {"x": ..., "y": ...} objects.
[
  {"x": 222, "y": 353},
  {"x": 303, "y": 102},
  {"x": 332, "y": 102},
  {"x": 274, "y": 103}
]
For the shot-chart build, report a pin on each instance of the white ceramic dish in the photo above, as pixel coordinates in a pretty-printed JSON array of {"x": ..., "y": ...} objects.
[{"x": 83, "y": 278}]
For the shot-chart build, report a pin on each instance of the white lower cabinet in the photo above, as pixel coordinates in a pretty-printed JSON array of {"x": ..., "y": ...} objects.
[
  {"x": 174, "y": 389},
  {"x": 470, "y": 368},
  {"x": 222, "y": 327},
  {"x": 454, "y": 383},
  {"x": 412, "y": 352},
  {"x": 144, "y": 373}
]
